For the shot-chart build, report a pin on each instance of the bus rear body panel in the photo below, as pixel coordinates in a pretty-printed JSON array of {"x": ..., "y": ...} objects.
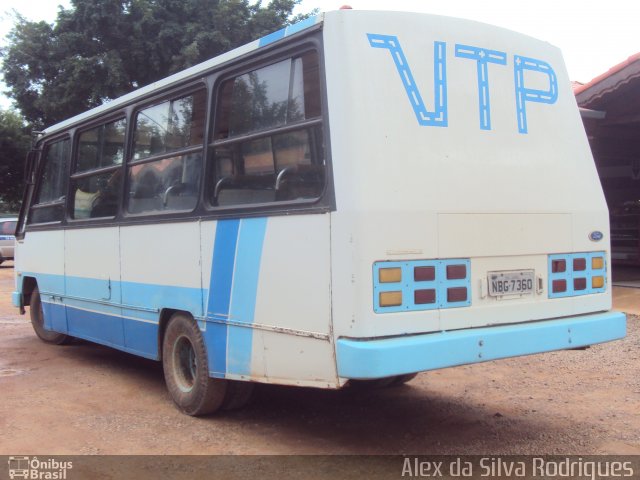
[{"x": 460, "y": 161}]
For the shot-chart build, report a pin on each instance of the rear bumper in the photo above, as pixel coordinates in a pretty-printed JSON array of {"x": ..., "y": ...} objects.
[{"x": 386, "y": 357}]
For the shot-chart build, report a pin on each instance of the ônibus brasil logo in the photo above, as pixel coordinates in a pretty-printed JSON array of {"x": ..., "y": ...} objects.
[{"x": 33, "y": 468}]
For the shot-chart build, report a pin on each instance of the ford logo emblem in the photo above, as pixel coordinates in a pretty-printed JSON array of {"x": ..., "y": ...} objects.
[{"x": 596, "y": 236}]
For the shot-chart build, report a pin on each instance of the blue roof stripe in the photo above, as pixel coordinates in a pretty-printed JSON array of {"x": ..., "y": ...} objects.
[
  {"x": 297, "y": 27},
  {"x": 272, "y": 37},
  {"x": 290, "y": 30}
]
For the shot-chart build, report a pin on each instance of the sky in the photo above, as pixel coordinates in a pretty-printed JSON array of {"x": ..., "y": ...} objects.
[{"x": 593, "y": 36}]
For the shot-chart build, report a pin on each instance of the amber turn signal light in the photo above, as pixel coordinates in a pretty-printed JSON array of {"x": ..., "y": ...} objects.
[
  {"x": 390, "y": 299},
  {"x": 390, "y": 275}
]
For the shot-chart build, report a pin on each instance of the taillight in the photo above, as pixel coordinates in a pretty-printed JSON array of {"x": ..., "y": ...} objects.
[
  {"x": 421, "y": 285},
  {"x": 558, "y": 286},
  {"x": 573, "y": 274},
  {"x": 390, "y": 275},
  {"x": 390, "y": 299}
]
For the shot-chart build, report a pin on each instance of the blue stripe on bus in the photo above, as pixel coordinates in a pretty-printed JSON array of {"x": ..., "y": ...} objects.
[
  {"x": 285, "y": 32},
  {"x": 161, "y": 296},
  {"x": 151, "y": 297},
  {"x": 222, "y": 265},
  {"x": 244, "y": 293},
  {"x": 234, "y": 275},
  {"x": 298, "y": 27},
  {"x": 129, "y": 335},
  {"x": 54, "y": 315},
  {"x": 92, "y": 288},
  {"x": 272, "y": 37},
  {"x": 221, "y": 280},
  {"x": 96, "y": 326}
]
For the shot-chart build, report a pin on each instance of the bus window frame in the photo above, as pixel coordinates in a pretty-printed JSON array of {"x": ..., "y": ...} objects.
[
  {"x": 32, "y": 159},
  {"x": 42, "y": 147},
  {"x": 174, "y": 93},
  {"x": 210, "y": 80},
  {"x": 325, "y": 201},
  {"x": 122, "y": 114}
]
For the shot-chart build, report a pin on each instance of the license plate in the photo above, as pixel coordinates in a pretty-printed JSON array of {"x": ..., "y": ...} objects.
[{"x": 515, "y": 282}]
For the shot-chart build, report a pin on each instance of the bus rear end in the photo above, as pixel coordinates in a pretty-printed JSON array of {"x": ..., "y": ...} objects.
[{"x": 470, "y": 221}]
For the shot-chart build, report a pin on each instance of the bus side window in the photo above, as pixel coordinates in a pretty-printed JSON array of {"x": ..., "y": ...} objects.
[
  {"x": 48, "y": 204},
  {"x": 97, "y": 174},
  {"x": 164, "y": 173},
  {"x": 268, "y": 135}
]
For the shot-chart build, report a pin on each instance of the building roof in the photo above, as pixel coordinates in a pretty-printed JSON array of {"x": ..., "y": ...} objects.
[{"x": 591, "y": 93}]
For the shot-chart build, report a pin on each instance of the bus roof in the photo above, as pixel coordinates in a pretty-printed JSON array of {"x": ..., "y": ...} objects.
[{"x": 189, "y": 73}]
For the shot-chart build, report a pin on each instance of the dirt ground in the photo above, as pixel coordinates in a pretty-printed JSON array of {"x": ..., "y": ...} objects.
[{"x": 88, "y": 399}]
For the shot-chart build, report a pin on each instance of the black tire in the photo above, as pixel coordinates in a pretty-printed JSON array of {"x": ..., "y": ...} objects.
[
  {"x": 186, "y": 370},
  {"x": 37, "y": 321},
  {"x": 238, "y": 395}
]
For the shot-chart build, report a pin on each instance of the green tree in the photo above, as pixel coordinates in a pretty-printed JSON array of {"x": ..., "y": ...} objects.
[
  {"x": 100, "y": 49},
  {"x": 14, "y": 145}
]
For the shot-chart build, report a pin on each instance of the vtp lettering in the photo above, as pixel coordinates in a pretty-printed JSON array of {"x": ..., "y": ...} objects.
[{"x": 485, "y": 60}]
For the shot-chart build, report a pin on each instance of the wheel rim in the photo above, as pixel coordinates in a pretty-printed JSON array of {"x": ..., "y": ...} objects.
[{"x": 185, "y": 363}]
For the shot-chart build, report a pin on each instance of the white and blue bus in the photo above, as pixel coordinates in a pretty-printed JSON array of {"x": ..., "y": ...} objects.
[{"x": 359, "y": 197}]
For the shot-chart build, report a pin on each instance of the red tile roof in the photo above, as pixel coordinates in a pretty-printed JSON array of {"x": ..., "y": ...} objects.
[{"x": 613, "y": 70}]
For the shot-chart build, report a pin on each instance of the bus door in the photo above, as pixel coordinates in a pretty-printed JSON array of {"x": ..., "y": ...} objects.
[
  {"x": 92, "y": 254},
  {"x": 44, "y": 251}
]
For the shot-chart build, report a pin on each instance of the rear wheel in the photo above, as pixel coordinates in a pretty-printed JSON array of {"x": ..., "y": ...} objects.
[
  {"x": 37, "y": 321},
  {"x": 186, "y": 372}
]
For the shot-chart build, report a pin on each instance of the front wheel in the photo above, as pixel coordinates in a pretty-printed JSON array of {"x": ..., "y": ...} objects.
[
  {"x": 186, "y": 372},
  {"x": 37, "y": 321}
]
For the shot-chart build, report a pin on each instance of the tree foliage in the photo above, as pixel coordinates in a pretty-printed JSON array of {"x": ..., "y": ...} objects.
[
  {"x": 100, "y": 49},
  {"x": 14, "y": 145}
]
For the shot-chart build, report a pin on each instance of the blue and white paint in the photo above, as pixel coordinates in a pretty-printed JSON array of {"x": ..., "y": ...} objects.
[
  {"x": 525, "y": 94},
  {"x": 291, "y": 299},
  {"x": 232, "y": 295},
  {"x": 437, "y": 117},
  {"x": 483, "y": 56}
]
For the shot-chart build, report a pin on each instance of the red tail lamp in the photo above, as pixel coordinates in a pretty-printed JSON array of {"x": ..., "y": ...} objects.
[
  {"x": 424, "y": 274},
  {"x": 456, "y": 294},
  {"x": 422, "y": 297},
  {"x": 456, "y": 272},
  {"x": 559, "y": 286},
  {"x": 579, "y": 264},
  {"x": 558, "y": 266}
]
